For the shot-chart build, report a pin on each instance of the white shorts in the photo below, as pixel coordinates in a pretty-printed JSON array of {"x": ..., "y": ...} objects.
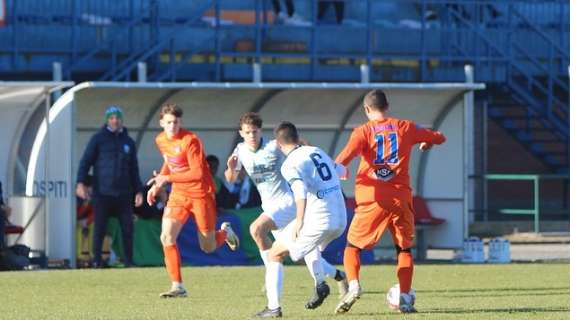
[
  {"x": 308, "y": 240},
  {"x": 281, "y": 213}
]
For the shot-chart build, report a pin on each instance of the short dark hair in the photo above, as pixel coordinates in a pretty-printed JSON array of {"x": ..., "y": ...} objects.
[
  {"x": 213, "y": 159},
  {"x": 251, "y": 118},
  {"x": 286, "y": 132},
  {"x": 376, "y": 99},
  {"x": 171, "y": 108}
]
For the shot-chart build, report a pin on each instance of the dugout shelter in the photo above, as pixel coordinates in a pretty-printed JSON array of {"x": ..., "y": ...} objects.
[{"x": 325, "y": 113}]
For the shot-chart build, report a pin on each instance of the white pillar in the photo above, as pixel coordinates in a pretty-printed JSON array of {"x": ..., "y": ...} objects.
[
  {"x": 364, "y": 73},
  {"x": 257, "y": 72},
  {"x": 141, "y": 71}
]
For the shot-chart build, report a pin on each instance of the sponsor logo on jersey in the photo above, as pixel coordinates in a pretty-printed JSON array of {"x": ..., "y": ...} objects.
[
  {"x": 384, "y": 173},
  {"x": 324, "y": 192},
  {"x": 263, "y": 168}
]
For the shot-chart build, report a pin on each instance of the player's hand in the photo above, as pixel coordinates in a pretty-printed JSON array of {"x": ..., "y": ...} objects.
[
  {"x": 82, "y": 191},
  {"x": 232, "y": 162},
  {"x": 151, "y": 195},
  {"x": 342, "y": 171},
  {"x": 138, "y": 199},
  {"x": 298, "y": 227},
  {"x": 151, "y": 181},
  {"x": 158, "y": 180},
  {"x": 425, "y": 146}
]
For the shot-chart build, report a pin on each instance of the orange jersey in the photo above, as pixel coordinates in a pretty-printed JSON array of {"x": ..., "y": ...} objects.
[
  {"x": 185, "y": 164},
  {"x": 385, "y": 147}
]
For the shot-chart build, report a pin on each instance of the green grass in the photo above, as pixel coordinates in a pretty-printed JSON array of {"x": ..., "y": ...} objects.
[{"x": 515, "y": 291}]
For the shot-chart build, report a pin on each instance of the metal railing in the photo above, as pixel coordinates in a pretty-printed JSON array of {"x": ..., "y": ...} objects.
[{"x": 535, "y": 179}]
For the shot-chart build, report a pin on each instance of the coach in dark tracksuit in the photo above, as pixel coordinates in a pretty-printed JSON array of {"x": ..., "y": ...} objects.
[{"x": 112, "y": 154}]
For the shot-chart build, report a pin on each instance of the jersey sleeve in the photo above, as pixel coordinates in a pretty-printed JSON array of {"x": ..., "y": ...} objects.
[
  {"x": 421, "y": 134},
  {"x": 164, "y": 170},
  {"x": 353, "y": 148},
  {"x": 290, "y": 173},
  {"x": 195, "y": 156}
]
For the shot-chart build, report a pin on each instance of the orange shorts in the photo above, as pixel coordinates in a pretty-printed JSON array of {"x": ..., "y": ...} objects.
[
  {"x": 202, "y": 210},
  {"x": 371, "y": 220}
]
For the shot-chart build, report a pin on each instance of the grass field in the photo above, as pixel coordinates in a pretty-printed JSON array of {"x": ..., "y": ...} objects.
[{"x": 515, "y": 291}]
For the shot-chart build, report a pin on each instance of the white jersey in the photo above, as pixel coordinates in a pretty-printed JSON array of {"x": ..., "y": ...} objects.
[
  {"x": 325, "y": 202},
  {"x": 263, "y": 167}
]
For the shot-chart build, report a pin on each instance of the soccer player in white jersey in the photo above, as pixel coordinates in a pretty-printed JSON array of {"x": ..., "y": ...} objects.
[
  {"x": 320, "y": 212},
  {"x": 262, "y": 162}
]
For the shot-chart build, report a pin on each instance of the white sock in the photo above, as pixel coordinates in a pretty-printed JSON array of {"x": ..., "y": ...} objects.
[
  {"x": 329, "y": 269},
  {"x": 314, "y": 263},
  {"x": 264, "y": 256},
  {"x": 177, "y": 285},
  {"x": 353, "y": 285},
  {"x": 273, "y": 283}
]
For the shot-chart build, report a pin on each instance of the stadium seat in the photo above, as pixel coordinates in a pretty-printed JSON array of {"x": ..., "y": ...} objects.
[
  {"x": 13, "y": 229},
  {"x": 424, "y": 220},
  {"x": 423, "y": 214},
  {"x": 247, "y": 17}
]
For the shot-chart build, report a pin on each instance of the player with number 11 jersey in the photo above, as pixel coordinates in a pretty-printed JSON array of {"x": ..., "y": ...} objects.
[{"x": 382, "y": 191}]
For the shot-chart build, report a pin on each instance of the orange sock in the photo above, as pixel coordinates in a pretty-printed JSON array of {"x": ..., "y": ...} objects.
[
  {"x": 351, "y": 262},
  {"x": 172, "y": 261},
  {"x": 221, "y": 236},
  {"x": 405, "y": 271}
]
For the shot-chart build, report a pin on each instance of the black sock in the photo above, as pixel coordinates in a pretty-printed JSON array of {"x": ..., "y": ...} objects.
[{"x": 339, "y": 275}]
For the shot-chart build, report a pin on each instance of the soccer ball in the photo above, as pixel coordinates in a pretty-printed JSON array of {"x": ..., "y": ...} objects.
[{"x": 393, "y": 297}]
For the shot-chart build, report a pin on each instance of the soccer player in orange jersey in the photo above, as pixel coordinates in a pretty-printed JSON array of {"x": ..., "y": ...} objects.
[
  {"x": 192, "y": 195},
  {"x": 382, "y": 191}
]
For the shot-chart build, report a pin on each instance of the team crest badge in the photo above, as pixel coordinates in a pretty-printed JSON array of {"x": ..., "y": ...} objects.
[
  {"x": 384, "y": 173},
  {"x": 126, "y": 148}
]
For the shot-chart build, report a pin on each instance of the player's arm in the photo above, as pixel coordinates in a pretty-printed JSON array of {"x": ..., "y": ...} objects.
[
  {"x": 427, "y": 137},
  {"x": 299, "y": 189},
  {"x": 300, "y": 194},
  {"x": 352, "y": 149},
  {"x": 157, "y": 181}
]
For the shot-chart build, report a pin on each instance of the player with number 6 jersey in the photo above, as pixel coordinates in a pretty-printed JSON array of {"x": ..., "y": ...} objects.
[
  {"x": 262, "y": 159},
  {"x": 320, "y": 215},
  {"x": 382, "y": 191}
]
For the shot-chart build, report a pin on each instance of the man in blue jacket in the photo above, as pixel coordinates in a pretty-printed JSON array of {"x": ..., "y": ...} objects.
[{"x": 113, "y": 156}]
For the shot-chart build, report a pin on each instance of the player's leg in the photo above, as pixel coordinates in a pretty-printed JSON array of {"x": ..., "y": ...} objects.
[
  {"x": 259, "y": 230},
  {"x": 274, "y": 281},
  {"x": 204, "y": 211},
  {"x": 365, "y": 230},
  {"x": 311, "y": 243},
  {"x": 329, "y": 270},
  {"x": 402, "y": 228},
  {"x": 171, "y": 226}
]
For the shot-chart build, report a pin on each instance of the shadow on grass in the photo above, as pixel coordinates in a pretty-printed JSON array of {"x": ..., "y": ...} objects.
[
  {"x": 494, "y": 310},
  {"x": 496, "y": 289},
  {"x": 506, "y": 294},
  {"x": 465, "y": 311}
]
